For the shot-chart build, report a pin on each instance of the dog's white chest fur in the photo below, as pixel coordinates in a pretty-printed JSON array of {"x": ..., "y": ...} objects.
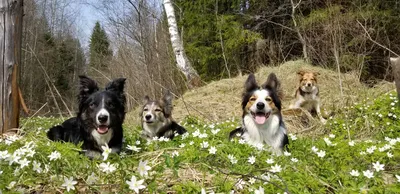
[
  {"x": 102, "y": 139},
  {"x": 151, "y": 130},
  {"x": 270, "y": 132}
]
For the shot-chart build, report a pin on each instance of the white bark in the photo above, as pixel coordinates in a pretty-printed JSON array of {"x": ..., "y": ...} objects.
[{"x": 177, "y": 45}]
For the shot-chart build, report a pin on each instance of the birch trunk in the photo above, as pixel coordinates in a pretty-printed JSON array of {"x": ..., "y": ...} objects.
[
  {"x": 396, "y": 73},
  {"x": 181, "y": 59},
  {"x": 10, "y": 49}
]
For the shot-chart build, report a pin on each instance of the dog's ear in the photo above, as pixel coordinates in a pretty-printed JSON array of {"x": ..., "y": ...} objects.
[
  {"x": 167, "y": 103},
  {"x": 272, "y": 82},
  {"x": 87, "y": 87},
  {"x": 301, "y": 72},
  {"x": 117, "y": 86},
  {"x": 146, "y": 99},
  {"x": 251, "y": 83}
]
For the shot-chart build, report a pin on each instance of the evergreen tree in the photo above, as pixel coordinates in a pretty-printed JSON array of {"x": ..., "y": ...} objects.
[{"x": 100, "y": 54}]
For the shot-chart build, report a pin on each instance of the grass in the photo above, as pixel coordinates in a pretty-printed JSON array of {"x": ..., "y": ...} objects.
[
  {"x": 184, "y": 166},
  {"x": 187, "y": 165}
]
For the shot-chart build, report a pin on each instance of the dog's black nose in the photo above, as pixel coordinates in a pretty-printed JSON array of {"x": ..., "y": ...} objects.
[
  {"x": 308, "y": 84},
  {"x": 148, "y": 117},
  {"x": 260, "y": 105},
  {"x": 102, "y": 118}
]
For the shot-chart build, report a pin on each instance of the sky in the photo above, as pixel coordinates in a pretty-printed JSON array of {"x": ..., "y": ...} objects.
[{"x": 89, "y": 16}]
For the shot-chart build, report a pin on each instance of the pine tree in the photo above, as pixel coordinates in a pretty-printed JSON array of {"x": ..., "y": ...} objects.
[{"x": 100, "y": 54}]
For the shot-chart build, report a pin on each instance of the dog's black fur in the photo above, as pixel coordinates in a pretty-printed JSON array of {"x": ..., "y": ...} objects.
[{"x": 82, "y": 127}]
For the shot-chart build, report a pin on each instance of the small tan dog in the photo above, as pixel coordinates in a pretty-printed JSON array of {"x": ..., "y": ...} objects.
[{"x": 307, "y": 95}]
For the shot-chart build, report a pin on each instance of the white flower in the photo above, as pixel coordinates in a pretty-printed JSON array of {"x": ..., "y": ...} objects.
[
  {"x": 175, "y": 153},
  {"x": 354, "y": 173},
  {"x": 259, "y": 146},
  {"x": 107, "y": 167},
  {"x": 203, "y": 191},
  {"x": 292, "y": 137},
  {"x": 232, "y": 159},
  {"x": 212, "y": 150},
  {"x": 215, "y": 131},
  {"x": 69, "y": 183},
  {"x": 91, "y": 179},
  {"x": 294, "y": 160},
  {"x": 203, "y": 135},
  {"x": 36, "y": 167},
  {"x": 276, "y": 168},
  {"x": 314, "y": 149},
  {"x": 287, "y": 153},
  {"x": 13, "y": 158},
  {"x": 368, "y": 174},
  {"x": 143, "y": 168},
  {"x": 185, "y": 135},
  {"x": 4, "y": 155},
  {"x": 328, "y": 142},
  {"x": 351, "y": 143},
  {"x": 389, "y": 155},
  {"x": 30, "y": 153},
  {"x": 155, "y": 138},
  {"x": 191, "y": 143},
  {"x": 378, "y": 167},
  {"x": 252, "y": 180},
  {"x": 252, "y": 159},
  {"x": 1, "y": 172},
  {"x": 196, "y": 133},
  {"x": 24, "y": 163},
  {"x": 133, "y": 148},
  {"x": 204, "y": 144},
  {"x": 270, "y": 161},
  {"x": 137, "y": 142},
  {"x": 332, "y": 136},
  {"x": 135, "y": 185},
  {"x": 54, "y": 155},
  {"x": 398, "y": 178},
  {"x": 362, "y": 153},
  {"x": 106, "y": 151},
  {"x": 260, "y": 190},
  {"x": 11, "y": 185},
  {"x": 371, "y": 149},
  {"x": 182, "y": 145},
  {"x": 321, "y": 154},
  {"x": 242, "y": 141}
]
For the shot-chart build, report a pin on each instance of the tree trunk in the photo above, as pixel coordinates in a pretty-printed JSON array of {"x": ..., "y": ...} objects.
[
  {"x": 177, "y": 44},
  {"x": 396, "y": 73},
  {"x": 10, "y": 49}
]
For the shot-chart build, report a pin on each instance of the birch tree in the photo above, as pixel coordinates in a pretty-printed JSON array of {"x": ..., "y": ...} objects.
[{"x": 182, "y": 61}]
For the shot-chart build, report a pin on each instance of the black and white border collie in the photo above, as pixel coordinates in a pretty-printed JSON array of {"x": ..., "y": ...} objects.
[
  {"x": 99, "y": 119},
  {"x": 262, "y": 120},
  {"x": 157, "y": 119}
]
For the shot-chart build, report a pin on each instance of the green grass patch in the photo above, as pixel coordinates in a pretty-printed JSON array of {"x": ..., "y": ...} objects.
[{"x": 356, "y": 139}]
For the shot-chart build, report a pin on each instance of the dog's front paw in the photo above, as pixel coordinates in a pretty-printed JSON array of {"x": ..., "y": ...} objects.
[{"x": 323, "y": 121}]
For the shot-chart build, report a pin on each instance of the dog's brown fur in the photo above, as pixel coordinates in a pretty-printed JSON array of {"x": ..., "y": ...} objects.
[{"x": 307, "y": 94}]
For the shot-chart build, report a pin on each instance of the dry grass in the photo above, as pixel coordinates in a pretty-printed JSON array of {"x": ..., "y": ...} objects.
[{"x": 220, "y": 100}]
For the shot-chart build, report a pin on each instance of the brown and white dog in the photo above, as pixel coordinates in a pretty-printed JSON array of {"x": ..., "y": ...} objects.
[
  {"x": 157, "y": 120},
  {"x": 307, "y": 95}
]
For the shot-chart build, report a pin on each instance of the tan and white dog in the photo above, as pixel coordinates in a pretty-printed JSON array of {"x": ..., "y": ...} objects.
[{"x": 307, "y": 94}]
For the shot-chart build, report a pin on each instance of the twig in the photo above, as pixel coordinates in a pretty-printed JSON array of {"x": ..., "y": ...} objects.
[{"x": 377, "y": 43}]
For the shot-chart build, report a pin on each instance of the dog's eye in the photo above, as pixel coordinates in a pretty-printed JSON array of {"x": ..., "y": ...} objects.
[
  {"x": 252, "y": 99},
  {"x": 92, "y": 105},
  {"x": 158, "y": 110},
  {"x": 146, "y": 109},
  {"x": 268, "y": 99}
]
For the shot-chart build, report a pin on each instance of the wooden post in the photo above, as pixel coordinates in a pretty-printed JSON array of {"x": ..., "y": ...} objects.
[
  {"x": 396, "y": 73},
  {"x": 11, "y": 13}
]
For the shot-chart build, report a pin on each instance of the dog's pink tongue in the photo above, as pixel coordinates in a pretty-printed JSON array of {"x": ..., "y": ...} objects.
[
  {"x": 102, "y": 129},
  {"x": 260, "y": 119}
]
